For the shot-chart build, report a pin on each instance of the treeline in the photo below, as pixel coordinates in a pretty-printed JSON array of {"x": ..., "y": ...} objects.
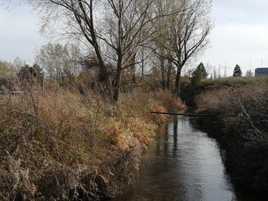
[
  {"x": 63, "y": 137},
  {"x": 124, "y": 44}
]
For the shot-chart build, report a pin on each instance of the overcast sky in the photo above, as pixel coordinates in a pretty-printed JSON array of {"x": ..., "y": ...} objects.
[
  {"x": 239, "y": 36},
  {"x": 19, "y": 33}
]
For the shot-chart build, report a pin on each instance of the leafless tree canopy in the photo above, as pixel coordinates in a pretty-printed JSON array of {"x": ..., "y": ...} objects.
[
  {"x": 119, "y": 30},
  {"x": 59, "y": 61},
  {"x": 183, "y": 35}
]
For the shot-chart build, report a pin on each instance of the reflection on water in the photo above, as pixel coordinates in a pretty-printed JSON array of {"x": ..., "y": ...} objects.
[{"x": 184, "y": 165}]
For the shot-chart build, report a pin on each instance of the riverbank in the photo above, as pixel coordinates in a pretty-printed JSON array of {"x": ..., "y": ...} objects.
[
  {"x": 238, "y": 110},
  {"x": 59, "y": 145}
]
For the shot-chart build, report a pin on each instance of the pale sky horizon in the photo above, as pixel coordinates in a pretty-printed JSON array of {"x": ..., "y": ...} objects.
[{"x": 239, "y": 35}]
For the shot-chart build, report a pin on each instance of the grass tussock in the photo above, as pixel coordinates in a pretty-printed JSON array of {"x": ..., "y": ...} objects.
[{"x": 61, "y": 134}]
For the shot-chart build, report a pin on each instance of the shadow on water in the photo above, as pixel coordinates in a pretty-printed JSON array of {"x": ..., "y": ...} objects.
[{"x": 183, "y": 165}]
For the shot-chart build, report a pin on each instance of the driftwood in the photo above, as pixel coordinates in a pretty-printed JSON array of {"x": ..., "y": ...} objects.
[{"x": 248, "y": 118}]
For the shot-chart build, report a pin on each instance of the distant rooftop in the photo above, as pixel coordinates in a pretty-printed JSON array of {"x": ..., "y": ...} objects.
[{"x": 261, "y": 71}]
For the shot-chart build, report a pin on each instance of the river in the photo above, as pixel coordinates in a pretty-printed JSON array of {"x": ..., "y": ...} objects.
[{"x": 183, "y": 165}]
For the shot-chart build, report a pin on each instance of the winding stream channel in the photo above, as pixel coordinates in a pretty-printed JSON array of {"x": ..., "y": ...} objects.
[{"x": 184, "y": 165}]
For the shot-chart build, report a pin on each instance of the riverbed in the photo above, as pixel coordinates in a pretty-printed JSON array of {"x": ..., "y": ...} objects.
[{"x": 183, "y": 165}]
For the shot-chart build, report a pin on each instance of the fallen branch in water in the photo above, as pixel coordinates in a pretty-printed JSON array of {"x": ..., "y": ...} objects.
[{"x": 182, "y": 114}]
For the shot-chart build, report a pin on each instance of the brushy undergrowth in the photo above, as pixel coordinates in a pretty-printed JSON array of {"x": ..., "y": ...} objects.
[
  {"x": 190, "y": 91},
  {"x": 234, "y": 82},
  {"x": 52, "y": 140},
  {"x": 239, "y": 120},
  {"x": 244, "y": 106}
]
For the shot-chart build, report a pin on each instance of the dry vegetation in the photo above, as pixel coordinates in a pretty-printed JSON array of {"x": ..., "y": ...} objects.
[
  {"x": 57, "y": 144},
  {"x": 239, "y": 121},
  {"x": 242, "y": 102}
]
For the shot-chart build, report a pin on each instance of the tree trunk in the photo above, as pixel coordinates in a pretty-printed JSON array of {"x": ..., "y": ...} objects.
[
  {"x": 133, "y": 68},
  {"x": 117, "y": 88},
  {"x": 117, "y": 80},
  {"x": 178, "y": 81},
  {"x": 142, "y": 65},
  {"x": 162, "y": 67},
  {"x": 103, "y": 75},
  {"x": 169, "y": 74}
]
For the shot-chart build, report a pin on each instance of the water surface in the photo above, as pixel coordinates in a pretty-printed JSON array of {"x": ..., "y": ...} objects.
[{"x": 183, "y": 165}]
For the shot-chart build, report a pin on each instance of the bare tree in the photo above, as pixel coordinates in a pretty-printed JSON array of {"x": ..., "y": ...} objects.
[
  {"x": 120, "y": 36},
  {"x": 129, "y": 28},
  {"x": 127, "y": 25},
  {"x": 59, "y": 61},
  {"x": 161, "y": 40},
  {"x": 187, "y": 33},
  {"x": 80, "y": 19}
]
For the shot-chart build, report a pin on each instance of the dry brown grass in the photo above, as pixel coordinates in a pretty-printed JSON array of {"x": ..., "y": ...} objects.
[
  {"x": 43, "y": 133},
  {"x": 244, "y": 107},
  {"x": 227, "y": 99}
]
